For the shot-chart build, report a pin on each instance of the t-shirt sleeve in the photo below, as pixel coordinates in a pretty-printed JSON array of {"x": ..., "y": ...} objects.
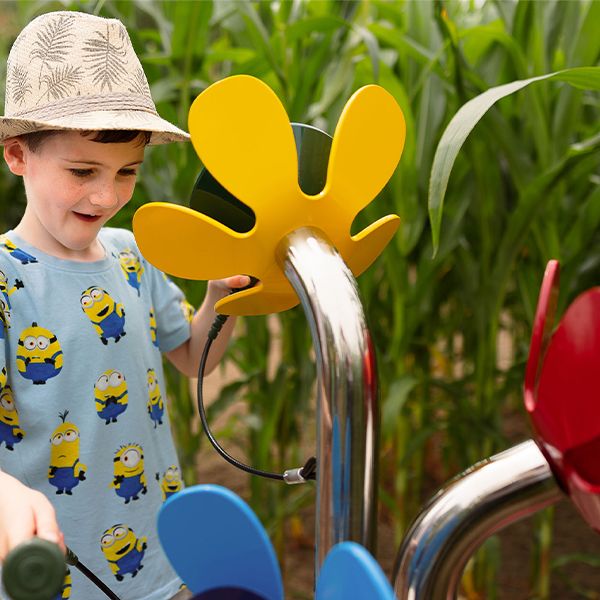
[{"x": 171, "y": 310}]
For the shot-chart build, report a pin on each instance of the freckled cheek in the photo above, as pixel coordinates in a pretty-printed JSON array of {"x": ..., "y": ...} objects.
[
  {"x": 126, "y": 192},
  {"x": 58, "y": 192},
  {"x": 71, "y": 193}
]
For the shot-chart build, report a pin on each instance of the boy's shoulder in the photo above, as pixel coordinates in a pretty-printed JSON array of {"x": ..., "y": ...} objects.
[
  {"x": 121, "y": 244},
  {"x": 117, "y": 240},
  {"x": 11, "y": 255}
]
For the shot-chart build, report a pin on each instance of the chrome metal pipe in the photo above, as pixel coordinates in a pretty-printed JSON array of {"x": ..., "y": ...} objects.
[
  {"x": 483, "y": 500},
  {"x": 347, "y": 409}
]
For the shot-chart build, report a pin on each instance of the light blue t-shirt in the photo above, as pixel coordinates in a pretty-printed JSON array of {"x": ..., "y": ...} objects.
[{"x": 83, "y": 414}]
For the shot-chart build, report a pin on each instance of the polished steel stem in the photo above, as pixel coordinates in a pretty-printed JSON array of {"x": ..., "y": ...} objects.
[
  {"x": 347, "y": 412},
  {"x": 486, "y": 498}
]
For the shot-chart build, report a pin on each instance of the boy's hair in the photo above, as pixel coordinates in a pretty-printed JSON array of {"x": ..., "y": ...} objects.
[{"x": 109, "y": 136}]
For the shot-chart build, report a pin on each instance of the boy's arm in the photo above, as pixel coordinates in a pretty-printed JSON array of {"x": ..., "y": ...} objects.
[
  {"x": 23, "y": 514},
  {"x": 186, "y": 357}
]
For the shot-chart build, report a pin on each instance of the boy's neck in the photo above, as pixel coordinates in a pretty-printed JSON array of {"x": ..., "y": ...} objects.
[{"x": 41, "y": 240}]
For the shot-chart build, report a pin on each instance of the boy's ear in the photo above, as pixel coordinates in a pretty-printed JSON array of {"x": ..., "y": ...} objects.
[{"x": 15, "y": 153}]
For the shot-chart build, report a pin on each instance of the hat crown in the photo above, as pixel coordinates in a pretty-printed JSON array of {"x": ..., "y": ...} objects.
[
  {"x": 65, "y": 62},
  {"x": 73, "y": 71}
]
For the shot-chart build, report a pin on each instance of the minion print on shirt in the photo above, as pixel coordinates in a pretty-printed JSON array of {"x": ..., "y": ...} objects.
[
  {"x": 110, "y": 395},
  {"x": 10, "y": 432},
  {"x": 65, "y": 591},
  {"x": 171, "y": 482},
  {"x": 39, "y": 355},
  {"x": 123, "y": 550},
  {"x": 153, "y": 328},
  {"x": 156, "y": 407},
  {"x": 132, "y": 268},
  {"x": 129, "y": 479},
  {"x": 106, "y": 315},
  {"x": 187, "y": 309},
  {"x": 4, "y": 318},
  {"x": 5, "y": 288},
  {"x": 65, "y": 471},
  {"x": 15, "y": 252}
]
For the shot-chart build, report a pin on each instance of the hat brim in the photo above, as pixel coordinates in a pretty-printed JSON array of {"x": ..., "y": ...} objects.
[{"x": 162, "y": 131}]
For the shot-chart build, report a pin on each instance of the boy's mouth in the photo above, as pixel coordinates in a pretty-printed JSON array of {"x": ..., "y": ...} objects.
[{"x": 86, "y": 217}]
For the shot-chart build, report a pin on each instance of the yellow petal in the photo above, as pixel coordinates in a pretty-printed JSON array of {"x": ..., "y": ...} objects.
[
  {"x": 242, "y": 134},
  {"x": 367, "y": 145},
  {"x": 185, "y": 243},
  {"x": 368, "y": 244}
]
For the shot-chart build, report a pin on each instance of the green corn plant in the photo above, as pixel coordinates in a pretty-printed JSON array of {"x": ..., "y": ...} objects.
[
  {"x": 502, "y": 143},
  {"x": 552, "y": 171}
]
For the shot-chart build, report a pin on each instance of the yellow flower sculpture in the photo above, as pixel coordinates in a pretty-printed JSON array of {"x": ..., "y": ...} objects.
[{"x": 242, "y": 134}]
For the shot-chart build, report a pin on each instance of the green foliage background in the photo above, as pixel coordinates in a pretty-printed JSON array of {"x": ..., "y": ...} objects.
[{"x": 524, "y": 189}]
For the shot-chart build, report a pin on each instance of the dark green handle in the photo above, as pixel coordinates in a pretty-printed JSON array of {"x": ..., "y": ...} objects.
[{"x": 34, "y": 570}]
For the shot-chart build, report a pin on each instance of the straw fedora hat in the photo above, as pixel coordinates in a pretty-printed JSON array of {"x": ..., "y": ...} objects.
[{"x": 70, "y": 70}]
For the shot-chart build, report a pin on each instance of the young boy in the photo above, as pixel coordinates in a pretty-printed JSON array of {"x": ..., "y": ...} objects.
[{"x": 84, "y": 429}]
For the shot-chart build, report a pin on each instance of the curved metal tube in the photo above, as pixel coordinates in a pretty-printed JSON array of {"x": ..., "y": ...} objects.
[
  {"x": 347, "y": 413},
  {"x": 486, "y": 498}
]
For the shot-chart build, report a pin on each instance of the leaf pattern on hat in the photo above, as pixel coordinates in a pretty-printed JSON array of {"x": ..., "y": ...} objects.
[
  {"x": 18, "y": 84},
  {"x": 23, "y": 127},
  {"x": 107, "y": 60},
  {"x": 54, "y": 42},
  {"x": 61, "y": 82},
  {"x": 138, "y": 84}
]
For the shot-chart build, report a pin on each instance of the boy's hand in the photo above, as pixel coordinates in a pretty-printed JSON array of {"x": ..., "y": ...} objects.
[
  {"x": 187, "y": 356},
  {"x": 225, "y": 286},
  {"x": 25, "y": 513}
]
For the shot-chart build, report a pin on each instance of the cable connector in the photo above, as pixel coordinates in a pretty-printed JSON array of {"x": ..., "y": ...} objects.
[
  {"x": 293, "y": 476},
  {"x": 220, "y": 320},
  {"x": 216, "y": 326},
  {"x": 309, "y": 470},
  {"x": 303, "y": 474},
  {"x": 71, "y": 558}
]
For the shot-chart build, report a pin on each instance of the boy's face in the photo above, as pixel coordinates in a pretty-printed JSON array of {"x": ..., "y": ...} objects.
[{"x": 74, "y": 186}]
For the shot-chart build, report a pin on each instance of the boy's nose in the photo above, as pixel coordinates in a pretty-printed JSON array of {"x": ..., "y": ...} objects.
[{"x": 105, "y": 197}]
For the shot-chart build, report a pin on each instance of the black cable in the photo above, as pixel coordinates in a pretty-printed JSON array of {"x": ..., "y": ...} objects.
[
  {"x": 218, "y": 323},
  {"x": 72, "y": 559},
  {"x": 307, "y": 472}
]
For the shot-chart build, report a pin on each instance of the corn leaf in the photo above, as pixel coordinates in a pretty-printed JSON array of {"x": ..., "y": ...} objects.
[{"x": 465, "y": 120}]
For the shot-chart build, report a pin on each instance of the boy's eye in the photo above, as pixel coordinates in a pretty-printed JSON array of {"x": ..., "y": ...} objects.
[
  {"x": 128, "y": 172},
  {"x": 81, "y": 172}
]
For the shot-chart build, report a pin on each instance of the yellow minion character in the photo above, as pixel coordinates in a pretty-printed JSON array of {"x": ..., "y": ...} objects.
[
  {"x": 153, "y": 329},
  {"x": 156, "y": 407},
  {"x": 187, "y": 309},
  {"x": 123, "y": 550},
  {"x": 5, "y": 288},
  {"x": 3, "y": 378},
  {"x": 65, "y": 471},
  {"x": 171, "y": 482},
  {"x": 39, "y": 355},
  {"x": 65, "y": 591},
  {"x": 106, "y": 315},
  {"x": 10, "y": 432},
  {"x": 132, "y": 268},
  {"x": 4, "y": 317},
  {"x": 129, "y": 479},
  {"x": 15, "y": 252},
  {"x": 110, "y": 395}
]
